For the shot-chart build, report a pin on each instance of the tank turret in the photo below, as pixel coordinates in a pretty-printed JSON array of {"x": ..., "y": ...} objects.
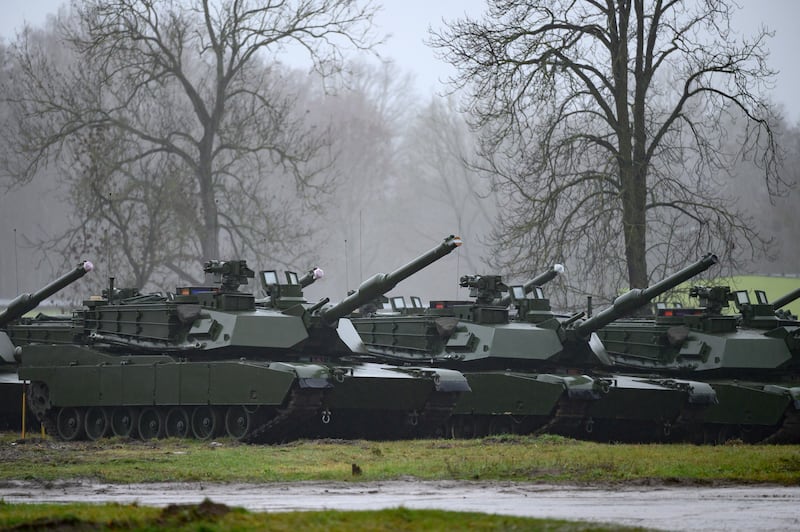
[
  {"x": 751, "y": 360},
  {"x": 530, "y": 286},
  {"x": 27, "y": 302},
  {"x": 382, "y": 283},
  {"x": 637, "y": 298}
]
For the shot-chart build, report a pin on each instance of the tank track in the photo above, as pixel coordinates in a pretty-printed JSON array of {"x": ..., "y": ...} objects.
[
  {"x": 568, "y": 418},
  {"x": 303, "y": 404},
  {"x": 789, "y": 430},
  {"x": 436, "y": 412},
  {"x": 48, "y": 421},
  {"x": 39, "y": 405}
]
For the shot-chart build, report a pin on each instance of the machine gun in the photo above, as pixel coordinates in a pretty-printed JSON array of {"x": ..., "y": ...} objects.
[
  {"x": 230, "y": 275},
  {"x": 713, "y": 298},
  {"x": 484, "y": 288}
]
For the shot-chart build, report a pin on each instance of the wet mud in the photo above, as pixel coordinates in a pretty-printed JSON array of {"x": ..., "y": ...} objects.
[{"x": 657, "y": 507}]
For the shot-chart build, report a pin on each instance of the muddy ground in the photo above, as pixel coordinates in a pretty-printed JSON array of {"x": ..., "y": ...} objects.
[
  {"x": 666, "y": 508},
  {"x": 657, "y": 505}
]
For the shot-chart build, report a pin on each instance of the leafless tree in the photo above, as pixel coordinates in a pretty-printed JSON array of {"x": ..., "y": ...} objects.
[
  {"x": 194, "y": 89},
  {"x": 601, "y": 123},
  {"x": 445, "y": 191},
  {"x": 368, "y": 110}
]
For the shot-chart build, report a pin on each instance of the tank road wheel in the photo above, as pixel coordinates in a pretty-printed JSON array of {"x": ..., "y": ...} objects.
[
  {"x": 122, "y": 421},
  {"x": 96, "y": 422},
  {"x": 238, "y": 421},
  {"x": 501, "y": 425},
  {"x": 205, "y": 422},
  {"x": 151, "y": 423},
  {"x": 69, "y": 424},
  {"x": 177, "y": 423}
]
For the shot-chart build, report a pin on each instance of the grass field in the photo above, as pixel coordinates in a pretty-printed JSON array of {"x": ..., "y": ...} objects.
[
  {"x": 546, "y": 459},
  {"x": 550, "y": 459},
  {"x": 209, "y": 516}
]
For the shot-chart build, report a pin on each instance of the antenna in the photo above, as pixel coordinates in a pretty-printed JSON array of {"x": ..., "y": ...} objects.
[
  {"x": 16, "y": 260},
  {"x": 360, "y": 245},
  {"x": 108, "y": 250},
  {"x": 346, "y": 268}
]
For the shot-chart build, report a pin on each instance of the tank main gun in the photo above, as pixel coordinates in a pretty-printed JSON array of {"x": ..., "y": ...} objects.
[
  {"x": 381, "y": 283},
  {"x": 27, "y": 302},
  {"x": 638, "y": 297},
  {"x": 786, "y": 299},
  {"x": 311, "y": 275},
  {"x": 539, "y": 280}
]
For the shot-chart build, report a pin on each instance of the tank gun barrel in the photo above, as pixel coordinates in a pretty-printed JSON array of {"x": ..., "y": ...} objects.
[
  {"x": 311, "y": 275},
  {"x": 786, "y": 299},
  {"x": 381, "y": 283},
  {"x": 633, "y": 299},
  {"x": 27, "y": 302},
  {"x": 539, "y": 280}
]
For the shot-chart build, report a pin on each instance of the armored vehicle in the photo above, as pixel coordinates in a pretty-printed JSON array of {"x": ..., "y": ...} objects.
[
  {"x": 211, "y": 360},
  {"x": 534, "y": 370},
  {"x": 11, "y": 389},
  {"x": 751, "y": 359}
]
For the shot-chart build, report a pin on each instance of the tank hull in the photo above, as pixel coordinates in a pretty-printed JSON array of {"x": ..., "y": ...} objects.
[
  {"x": 612, "y": 407},
  {"x": 378, "y": 401},
  {"x": 585, "y": 403},
  {"x": 79, "y": 392},
  {"x": 752, "y": 372}
]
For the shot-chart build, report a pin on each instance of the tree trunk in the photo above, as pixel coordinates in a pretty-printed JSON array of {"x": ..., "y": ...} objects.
[
  {"x": 634, "y": 226},
  {"x": 210, "y": 216}
]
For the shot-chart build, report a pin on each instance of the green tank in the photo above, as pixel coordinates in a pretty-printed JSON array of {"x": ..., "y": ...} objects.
[
  {"x": 211, "y": 360},
  {"x": 532, "y": 370},
  {"x": 751, "y": 359},
  {"x": 11, "y": 389}
]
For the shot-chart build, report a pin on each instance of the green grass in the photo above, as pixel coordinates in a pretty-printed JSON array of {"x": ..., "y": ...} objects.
[
  {"x": 209, "y": 516},
  {"x": 548, "y": 459}
]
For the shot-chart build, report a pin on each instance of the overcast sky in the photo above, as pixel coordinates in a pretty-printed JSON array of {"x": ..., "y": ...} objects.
[{"x": 408, "y": 20}]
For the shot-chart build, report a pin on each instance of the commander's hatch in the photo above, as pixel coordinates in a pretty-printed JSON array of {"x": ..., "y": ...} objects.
[
  {"x": 760, "y": 315},
  {"x": 533, "y": 306},
  {"x": 281, "y": 295}
]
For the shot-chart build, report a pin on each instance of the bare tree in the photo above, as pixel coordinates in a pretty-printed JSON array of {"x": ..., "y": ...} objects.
[
  {"x": 369, "y": 111},
  {"x": 444, "y": 190},
  {"x": 600, "y": 120},
  {"x": 194, "y": 89}
]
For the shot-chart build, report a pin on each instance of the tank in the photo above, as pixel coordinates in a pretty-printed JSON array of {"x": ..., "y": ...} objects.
[
  {"x": 11, "y": 388},
  {"x": 532, "y": 370},
  {"x": 751, "y": 358},
  {"x": 215, "y": 360}
]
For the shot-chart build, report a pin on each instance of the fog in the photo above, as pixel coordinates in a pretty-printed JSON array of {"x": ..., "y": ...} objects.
[{"x": 392, "y": 197}]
